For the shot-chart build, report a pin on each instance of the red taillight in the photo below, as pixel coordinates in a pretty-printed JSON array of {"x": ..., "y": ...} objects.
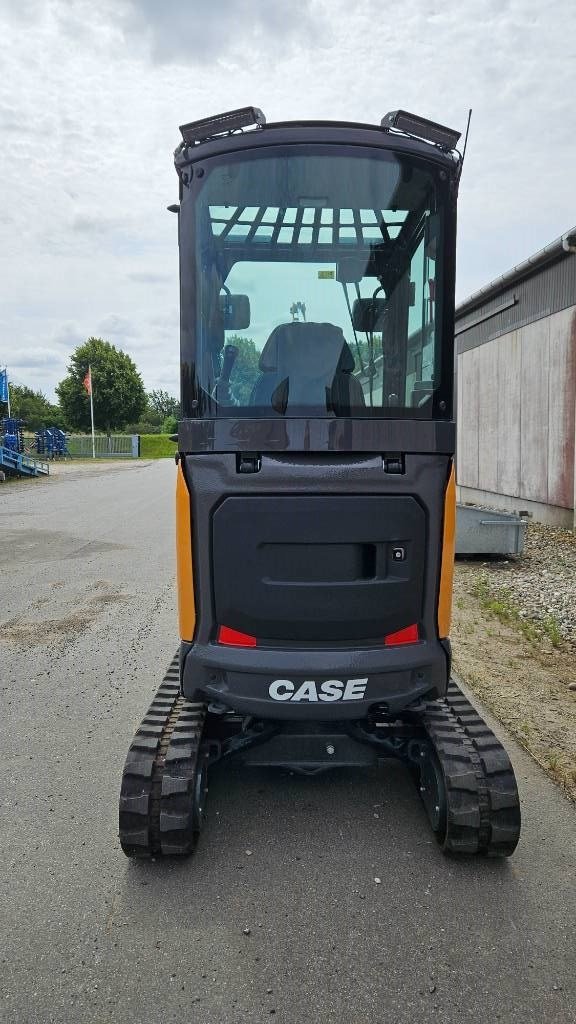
[
  {"x": 409, "y": 635},
  {"x": 234, "y": 638}
]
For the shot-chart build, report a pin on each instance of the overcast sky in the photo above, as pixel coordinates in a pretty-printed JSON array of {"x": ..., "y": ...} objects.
[{"x": 92, "y": 93}]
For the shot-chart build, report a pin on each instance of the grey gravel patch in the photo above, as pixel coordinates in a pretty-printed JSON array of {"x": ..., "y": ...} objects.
[{"x": 542, "y": 582}]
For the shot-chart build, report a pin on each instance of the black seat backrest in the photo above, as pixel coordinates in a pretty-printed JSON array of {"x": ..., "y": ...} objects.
[{"x": 307, "y": 365}]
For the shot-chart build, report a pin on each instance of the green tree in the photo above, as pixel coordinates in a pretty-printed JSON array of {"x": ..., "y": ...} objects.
[
  {"x": 117, "y": 388},
  {"x": 33, "y": 407},
  {"x": 163, "y": 404},
  {"x": 169, "y": 425},
  {"x": 245, "y": 372},
  {"x": 151, "y": 416},
  {"x": 150, "y": 422}
]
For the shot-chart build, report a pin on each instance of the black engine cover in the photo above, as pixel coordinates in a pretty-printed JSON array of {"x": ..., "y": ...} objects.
[{"x": 321, "y": 568}]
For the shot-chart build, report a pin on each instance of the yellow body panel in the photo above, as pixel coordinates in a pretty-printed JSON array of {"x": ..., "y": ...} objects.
[
  {"x": 448, "y": 554},
  {"x": 186, "y": 607}
]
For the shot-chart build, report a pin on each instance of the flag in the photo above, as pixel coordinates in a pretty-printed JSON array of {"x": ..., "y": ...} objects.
[
  {"x": 3, "y": 385},
  {"x": 87, "y": 383}
]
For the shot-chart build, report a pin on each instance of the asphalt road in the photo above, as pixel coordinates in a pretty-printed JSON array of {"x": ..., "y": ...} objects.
[{"x": 88, "y": 613}]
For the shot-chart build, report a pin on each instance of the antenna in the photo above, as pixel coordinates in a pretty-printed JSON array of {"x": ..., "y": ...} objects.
[{"x": 465, "y": 142}]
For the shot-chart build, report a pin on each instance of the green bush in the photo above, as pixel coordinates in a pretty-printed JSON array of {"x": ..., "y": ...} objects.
[
  {"x": 169, "y": 425},
  {"x": 157, "y": 446},
  {"x": 144, "y": 427}
]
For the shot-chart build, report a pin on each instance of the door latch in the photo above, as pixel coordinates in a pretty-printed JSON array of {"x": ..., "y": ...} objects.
[
  {"x": 393, "y": 464},
  {"x": 248, "y": 462}
]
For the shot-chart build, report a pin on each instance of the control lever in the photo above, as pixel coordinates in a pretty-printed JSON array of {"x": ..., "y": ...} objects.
[
  {"x": 230, "y": 356},
  {"x": 222, "y": 392}
]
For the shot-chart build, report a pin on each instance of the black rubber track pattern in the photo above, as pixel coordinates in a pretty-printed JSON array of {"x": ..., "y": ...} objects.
[
  {"x": 163, "y": 783},
  {"x": 159, "y": 813},
  {"x": 498, "y": 775},
  {"x": 482, "y": 802}
]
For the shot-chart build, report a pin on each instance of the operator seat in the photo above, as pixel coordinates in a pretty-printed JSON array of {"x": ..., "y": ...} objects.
[{"x": 308, "y": 366}]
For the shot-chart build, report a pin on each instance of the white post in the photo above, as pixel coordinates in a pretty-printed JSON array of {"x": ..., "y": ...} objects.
[{"x": 92, "y": 413}]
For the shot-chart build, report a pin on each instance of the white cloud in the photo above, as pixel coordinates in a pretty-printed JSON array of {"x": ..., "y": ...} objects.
[
  {"x": 69, "y": 335},
  {"x": 113, "y": 326},
  {"x": 91, "y": 96},
  {"x": 191, "y": 33},
  {"x": 35, "y": 357},
  {"x": 148, "y": 277}
]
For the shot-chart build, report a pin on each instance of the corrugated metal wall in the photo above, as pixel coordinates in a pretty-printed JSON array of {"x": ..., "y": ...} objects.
[
  {"x": 516, "y": 400},
  {"x": 549, "y": 290}
]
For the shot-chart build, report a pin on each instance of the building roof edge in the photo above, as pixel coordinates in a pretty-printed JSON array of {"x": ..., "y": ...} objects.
[{"x": 561, "y": 247}]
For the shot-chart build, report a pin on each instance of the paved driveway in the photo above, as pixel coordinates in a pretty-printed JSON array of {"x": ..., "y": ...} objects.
[{"x": 88, "y": 613}]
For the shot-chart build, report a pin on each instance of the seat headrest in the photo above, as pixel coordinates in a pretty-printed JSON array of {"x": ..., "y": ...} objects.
[{"x": 294, "y": 343}]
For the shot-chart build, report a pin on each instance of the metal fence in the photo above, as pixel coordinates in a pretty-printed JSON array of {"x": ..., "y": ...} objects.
[{"x": 121, "y": 446}]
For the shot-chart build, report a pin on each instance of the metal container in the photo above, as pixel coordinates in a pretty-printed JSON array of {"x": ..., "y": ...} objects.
[{"x": 482, "y": 531}]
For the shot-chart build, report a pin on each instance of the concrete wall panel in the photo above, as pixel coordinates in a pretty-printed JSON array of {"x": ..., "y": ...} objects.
[
  {"x": 488, "y": 400},
  {"x": 459, "y": 405},
  {"x": 517, "y": 414},
  {"x": 562, "y": 414},
  {"x": 468, "y": 424},
  {"x": 509, "y": 413},
  {"x": 534, "y": 343}
]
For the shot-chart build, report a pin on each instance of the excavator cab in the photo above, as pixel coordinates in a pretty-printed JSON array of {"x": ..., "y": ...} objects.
[{"x": 315, "y": 480}]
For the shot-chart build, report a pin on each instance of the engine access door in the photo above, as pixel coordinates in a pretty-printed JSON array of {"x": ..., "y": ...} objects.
[{"x": 330, "y": 569}]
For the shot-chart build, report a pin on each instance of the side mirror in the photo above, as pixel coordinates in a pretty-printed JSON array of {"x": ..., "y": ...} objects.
[
  {"x": 235, "y": 311},
  {"x": 351, "y": 269},
  {"x": 369, "y": 314}
]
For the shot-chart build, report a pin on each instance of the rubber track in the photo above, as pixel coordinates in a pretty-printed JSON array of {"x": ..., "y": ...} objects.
[
  {"x": 498, "y": 775},
  {"x": 466, "y": 810},
  {"x": 157, "y": 792},
  {"x": 483, "y": 807}
]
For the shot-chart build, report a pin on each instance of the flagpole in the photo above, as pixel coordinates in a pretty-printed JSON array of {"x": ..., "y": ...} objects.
[{"x": 92, "y": 414}]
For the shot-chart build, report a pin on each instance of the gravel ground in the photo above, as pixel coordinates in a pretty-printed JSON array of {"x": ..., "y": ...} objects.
[
  {"x": 542, "y": 582},
  {"x": 514, "y": 642}
]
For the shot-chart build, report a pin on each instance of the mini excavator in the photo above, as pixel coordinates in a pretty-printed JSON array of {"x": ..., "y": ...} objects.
[{"x": 315, "y": 494}]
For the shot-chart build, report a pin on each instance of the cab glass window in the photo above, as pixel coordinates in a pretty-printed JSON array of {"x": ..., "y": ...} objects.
[{"x": 318, "y": 285}]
